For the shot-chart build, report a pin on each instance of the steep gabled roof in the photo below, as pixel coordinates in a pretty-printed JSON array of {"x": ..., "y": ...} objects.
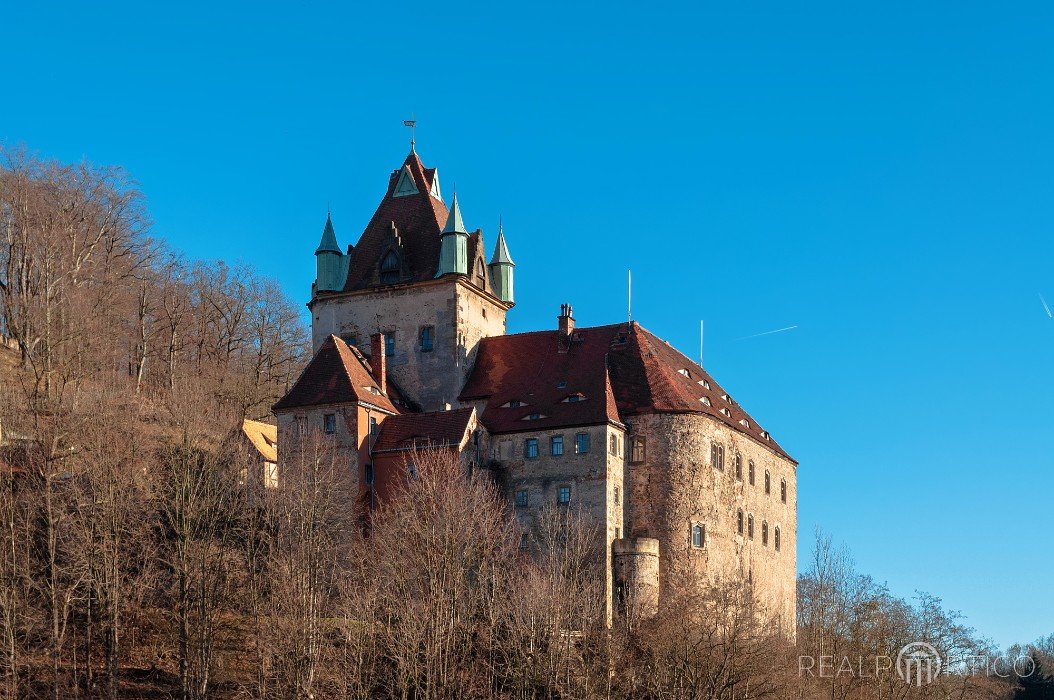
[
  {"x": 336, "y": 374},
  {"x": 435, "y": 429},
  {"x": 418, "y": 217},
  {"x": 621, "y": 371}
]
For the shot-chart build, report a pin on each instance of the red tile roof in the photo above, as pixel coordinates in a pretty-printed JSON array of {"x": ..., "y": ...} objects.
[
  {"x": 440, "y": 428},
  {"x": 336, "y": 374},
  {"x": 541, "y": 370},
  {"x": 622, "y": 370},
  {"x": 419, "y": 219}
]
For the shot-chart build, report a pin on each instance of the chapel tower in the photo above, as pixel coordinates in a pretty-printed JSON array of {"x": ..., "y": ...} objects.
[{"x": 420, "y": 277}]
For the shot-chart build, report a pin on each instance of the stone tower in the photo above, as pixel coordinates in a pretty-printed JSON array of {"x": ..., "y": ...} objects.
[{"x": 420, "y": 277}]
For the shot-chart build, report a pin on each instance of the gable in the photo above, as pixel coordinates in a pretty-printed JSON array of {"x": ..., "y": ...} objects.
[{"x": 406, "y": 185}]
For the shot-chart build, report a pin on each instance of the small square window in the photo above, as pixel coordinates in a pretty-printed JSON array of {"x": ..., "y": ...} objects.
[
  {"x": 556, "y": 445},
  {"x": 564, "y": 496},
  {"x": 427, "y": 338},
  {"x": 521, "y": 498},
  {"x": 530, "y": 448},
  {"x": 582, "y": 443},
  {"x": 329, "y": 423}
]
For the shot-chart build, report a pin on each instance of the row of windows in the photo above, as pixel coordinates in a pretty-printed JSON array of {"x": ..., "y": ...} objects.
[
  {"x": 425, "y": 340},
  {"x": 698, "y": 533},
  {"x": 556, "y": 445},
  {"x": 717, "y": 459},
  {"x": 563, "y": 496}
]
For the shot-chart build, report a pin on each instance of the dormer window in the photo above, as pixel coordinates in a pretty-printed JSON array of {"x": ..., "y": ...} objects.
[
  {"x": 725, "y": 412},
  {"x": 705, "y": 401},
  {"x": 703, "y": 383},
  {"x": 574, "y": 398},
  {"x": 390, "y": 268},
  {"x": 534, "y": 416},
  {"x": 684, "y": 373},
  {"x": 514, "y": 403}
]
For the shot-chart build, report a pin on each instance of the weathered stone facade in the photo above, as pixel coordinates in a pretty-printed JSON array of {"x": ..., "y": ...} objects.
[
  {"x": 458, "y": 313},
  {"x": 677, "y": 485}
]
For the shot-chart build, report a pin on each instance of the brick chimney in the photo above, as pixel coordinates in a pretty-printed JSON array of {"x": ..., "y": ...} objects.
[
  {"x": 566, "y": 321},
  {"x": 378, "y": 362}
]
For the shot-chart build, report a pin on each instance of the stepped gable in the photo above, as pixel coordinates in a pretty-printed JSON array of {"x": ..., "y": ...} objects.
[{"x": 419, "y": 218}]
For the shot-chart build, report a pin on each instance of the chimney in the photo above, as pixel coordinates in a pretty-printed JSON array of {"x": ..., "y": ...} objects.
[
  {"x": 378, "y": 362},
  {"x": 566, "y": 321}
]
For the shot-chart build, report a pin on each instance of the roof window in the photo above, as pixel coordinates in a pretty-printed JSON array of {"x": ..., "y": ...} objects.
[
  {"x": 684, "y": 372},
  {"x": 574, "y": 398},
  {"x": 726, "y": 412},
  {"x": 514, "y": 403},
  {"x": 705, "y": 401},
  {"x": 705, "y": 384},
  {"x": 745, "y": 423},
  {"x": 534, "y": 416}
]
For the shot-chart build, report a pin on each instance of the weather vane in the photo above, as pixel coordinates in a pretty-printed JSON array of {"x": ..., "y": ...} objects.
[{"x": 412, "y": 123}]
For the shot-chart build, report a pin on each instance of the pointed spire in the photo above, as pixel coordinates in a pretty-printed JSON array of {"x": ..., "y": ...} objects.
[
  {"x": 328, "y": 244},
  {"x": 501, "y": 249},
  {"x": 454, "y": 223}
]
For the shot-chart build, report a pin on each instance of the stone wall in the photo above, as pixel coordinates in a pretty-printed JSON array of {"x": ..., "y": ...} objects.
[
  {"x": 595, "y": 479},
  {"x": 676, "y": 486},
  {"x": 459, "y": 314}
]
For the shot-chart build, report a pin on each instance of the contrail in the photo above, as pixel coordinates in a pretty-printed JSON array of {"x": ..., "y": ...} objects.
[
  {"x": 758, "y": 335},
  {"x": 1045, "y": 307}
]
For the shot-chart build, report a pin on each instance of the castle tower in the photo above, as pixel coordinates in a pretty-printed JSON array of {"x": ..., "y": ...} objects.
[
  {"x": 418, "y": 275},
  {"x": 501, "y": 265}
]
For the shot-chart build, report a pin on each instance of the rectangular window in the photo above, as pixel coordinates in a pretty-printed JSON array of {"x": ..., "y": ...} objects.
[
  {"x": 523, "y": 540},
  {"x": 373, "y": 426},
  {"x": 270, "y": 475},
  {"x": 614, "y": 445},
  {"x": 637, "y": 456},
  {"x": 329, "y": 423},
  {"x": 564, "y": 496},
  {"x": 530, "y": 448},
  {"x": 717, "y": 456},
  {"x": 698, "y": 536},
  {"x": 301, "y": 425},
  {"x": 616, "y": 495},
  {"x": 582, "y": 443},
  {"x": 389, "y": 344},
  {"x": 556, "y": 445},
  {"x": 427, "y": 335},
  {"x": 521, "y": 498}
]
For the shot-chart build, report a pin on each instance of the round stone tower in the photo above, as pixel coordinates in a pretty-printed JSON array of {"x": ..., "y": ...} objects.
[{"x": 636, "y": 565}]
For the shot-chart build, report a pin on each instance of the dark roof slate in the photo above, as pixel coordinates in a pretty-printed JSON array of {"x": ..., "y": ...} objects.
[{"x": 435, "y": 429}]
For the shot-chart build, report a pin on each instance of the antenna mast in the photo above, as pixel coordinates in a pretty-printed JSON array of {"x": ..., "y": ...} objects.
[
  {"x": 629, "y": 296},
  {"x": 700, "y": 342}
]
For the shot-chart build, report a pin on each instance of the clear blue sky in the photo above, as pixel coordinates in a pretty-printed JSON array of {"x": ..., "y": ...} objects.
[{"x": 878, "y": 174}]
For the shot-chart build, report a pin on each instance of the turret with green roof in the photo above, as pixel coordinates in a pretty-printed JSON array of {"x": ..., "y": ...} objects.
[{"x": 501, "y": 268}]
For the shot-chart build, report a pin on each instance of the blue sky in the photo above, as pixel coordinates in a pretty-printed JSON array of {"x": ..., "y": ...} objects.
[{"x": 878, "y": 174}]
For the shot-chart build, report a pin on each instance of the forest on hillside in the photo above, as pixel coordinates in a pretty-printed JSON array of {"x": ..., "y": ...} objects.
[{"x": 137, "y": 561}]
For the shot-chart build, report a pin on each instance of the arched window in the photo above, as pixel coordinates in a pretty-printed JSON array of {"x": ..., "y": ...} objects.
[
  {"x": 698, "y": 536},
  {"x": 717, "y": 455},
  {"x": 783, "y": 490},
  {"x": 768, "y": 483},
  {"x": 739, "y": 467},
  {"x": 750, "y": 472},
  {"x": 765, "y": 533},
  {"x": 390, "y": 268},
  {"x": 481, "y": 275},
  {"x": 750, "y": 526},
  {"x": 739, "y": 522},
  {"x": 776, "y": 538}
]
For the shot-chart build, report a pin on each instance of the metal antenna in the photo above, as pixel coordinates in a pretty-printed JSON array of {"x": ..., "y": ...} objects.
[
  {"x": 629, "y": 296},
  {"x": 700, "y": 342}
]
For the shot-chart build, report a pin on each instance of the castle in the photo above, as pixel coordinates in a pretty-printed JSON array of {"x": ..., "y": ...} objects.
[{"x": 411, "y": 350}]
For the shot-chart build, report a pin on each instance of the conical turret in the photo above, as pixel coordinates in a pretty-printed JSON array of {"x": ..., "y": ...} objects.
[
  {"x": 501, "y": 268},
  {"x": 453, "y": 250},
  {"x": 329, "y": 261}
]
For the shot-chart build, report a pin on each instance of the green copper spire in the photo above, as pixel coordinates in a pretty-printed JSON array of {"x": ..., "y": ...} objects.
[
  {"x": 454, "y": 224},
  {"x": 329, "y": 239},
  {"x": 501, "y": 264},
  {"x": 453, "y": 248},
  {"x": 501, "y": 250}
]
